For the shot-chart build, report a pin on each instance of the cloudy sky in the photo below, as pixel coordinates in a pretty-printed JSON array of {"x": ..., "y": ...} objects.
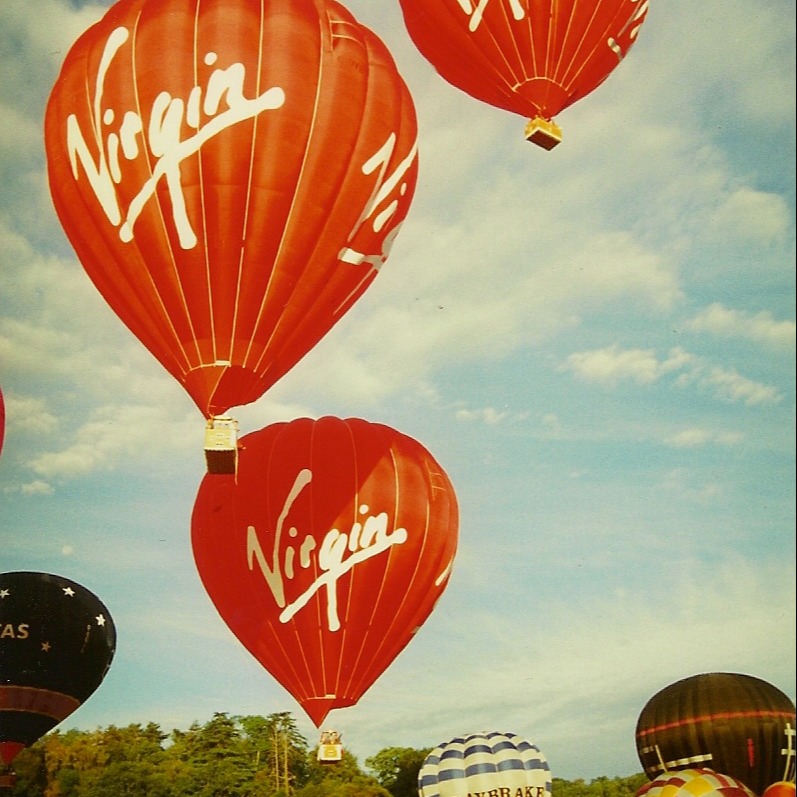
[{"x": 597, "y": 343}]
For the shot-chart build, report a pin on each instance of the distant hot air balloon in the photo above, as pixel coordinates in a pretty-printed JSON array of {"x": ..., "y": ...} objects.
[
  {"x": 57, "y": 641},
  {"x": 694, "y": 783},
  {"x": 783, "y": 788},
  {"x": 485, "y": 763},
  {"x": 232, "y": 175},
  {"x": 531, "y": 57},
  {"x": 327, "y": 552},
  {"x": 728, "y": 722}
]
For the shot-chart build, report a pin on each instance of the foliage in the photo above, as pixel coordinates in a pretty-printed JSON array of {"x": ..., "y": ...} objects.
[
  {"x": 397, "y": 769},
  {"x": 230, "y": 756}
]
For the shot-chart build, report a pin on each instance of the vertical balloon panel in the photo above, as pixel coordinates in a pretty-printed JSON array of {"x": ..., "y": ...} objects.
[
  {"x": 326, "y": 552},
  {"x": 232, "y": 175}
]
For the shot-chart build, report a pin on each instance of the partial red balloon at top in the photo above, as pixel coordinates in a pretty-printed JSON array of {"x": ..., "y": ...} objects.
[
  {"x": 326, "y": 552},
  {"x": 530, "y": 57},
  {"x": 232, "y": 175},
  {"x": 783, "y": 788}
]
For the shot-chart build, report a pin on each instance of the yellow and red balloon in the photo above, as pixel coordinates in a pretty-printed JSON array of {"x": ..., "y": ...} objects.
[{"x": 694, "y": 783}]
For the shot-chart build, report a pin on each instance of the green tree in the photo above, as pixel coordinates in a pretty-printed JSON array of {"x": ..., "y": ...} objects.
[
  {"x": 212, "y": 759},
  {"x": 342, "y": 778},
  {"x": 397, "y": 769}
]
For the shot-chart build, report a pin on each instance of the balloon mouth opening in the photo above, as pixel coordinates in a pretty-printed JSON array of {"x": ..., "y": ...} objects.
[
  {"x": 545, "y": 96},
  {"x": 317, "y": 708},
  {"x": 217, "y": 386}
]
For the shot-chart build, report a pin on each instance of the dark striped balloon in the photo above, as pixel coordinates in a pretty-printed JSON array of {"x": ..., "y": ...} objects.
[
  {"x": 57, "y": 641},
  {"x": 488, "y": 763},
  {"x": 727, "y": 722}
]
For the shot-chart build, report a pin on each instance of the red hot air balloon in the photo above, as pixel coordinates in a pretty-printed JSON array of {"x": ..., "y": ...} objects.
[
  {"x": 530, "y": 57},
  {"x": 232, "y": 175},
  {"x": 783, "y": 788},
  {"x": 327, "y": 552}
]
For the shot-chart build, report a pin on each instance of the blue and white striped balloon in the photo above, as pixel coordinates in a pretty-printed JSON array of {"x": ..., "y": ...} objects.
[{"x": 500, "y": 764}]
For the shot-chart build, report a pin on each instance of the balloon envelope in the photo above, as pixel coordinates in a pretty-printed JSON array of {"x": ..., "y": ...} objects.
[
  {"x": 732, "y": 723},
  {"x": 232, "y": 175},
  {"x": 485, "y": 763},
  {"x": 326, "y": 552},
  {"x": 783, "y": 788},
  {"x": 57, "y": 641},
  {"x": 530, "y": 57},
  {"x": 694, "y": 783}
]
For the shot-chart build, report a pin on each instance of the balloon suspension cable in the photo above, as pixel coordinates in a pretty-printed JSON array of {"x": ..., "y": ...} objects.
[
  {"x": 544, "y": 133},
  {"x": 221, "y": 445}
]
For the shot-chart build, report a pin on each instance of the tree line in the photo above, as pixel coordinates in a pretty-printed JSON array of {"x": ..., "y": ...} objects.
[{"x": 229, "y": 756}]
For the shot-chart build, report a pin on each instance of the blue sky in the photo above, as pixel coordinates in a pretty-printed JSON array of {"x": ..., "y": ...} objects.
[{"x": 597, "y": 343}]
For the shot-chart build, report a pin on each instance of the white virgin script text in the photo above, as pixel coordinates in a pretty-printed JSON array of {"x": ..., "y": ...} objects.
[
  {"x": 162, "y": 137},
  {"x": 366, "y": 539},
  {"x": 518, "y": 8},
  {"x": 208, "y": 111}
]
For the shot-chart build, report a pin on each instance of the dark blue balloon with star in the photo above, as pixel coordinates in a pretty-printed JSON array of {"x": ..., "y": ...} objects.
[{"x": 57, "y": 641}]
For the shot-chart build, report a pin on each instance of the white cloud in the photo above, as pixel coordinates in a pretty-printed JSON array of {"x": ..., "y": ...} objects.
[
  {"x": 115, "y": 433},
  {"x": 612, "y": 365},
  {"x": 37, "y": 487},
  {"x": 695, "y": 437},
  {"x": 759, "y": 327},
  {"x": 751, "y": 214},
  {"x": 29, "y": 414},
  {"x": 488, "y": 415},
  {"x": 729, "y": 385}
]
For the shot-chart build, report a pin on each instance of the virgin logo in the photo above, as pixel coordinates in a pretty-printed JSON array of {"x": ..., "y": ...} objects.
[
  {"x": 207, "y": 111},
  {"x": 518, "y": 9},
  {"x": 336, "y": 555},
  {"x": 162, "y": 138},
  {"x": 619, "y": 46}
]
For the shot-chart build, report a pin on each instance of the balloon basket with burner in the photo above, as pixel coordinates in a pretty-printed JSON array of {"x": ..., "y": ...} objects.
[
  {"x": 221, "y": 445},
  {"x": 330, "y": 750},
  {"x": 544, "y": 133}
]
